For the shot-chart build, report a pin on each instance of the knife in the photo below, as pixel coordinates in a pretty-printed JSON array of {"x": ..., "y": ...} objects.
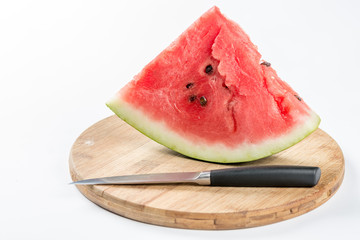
[{"x": 253, "y": 176}]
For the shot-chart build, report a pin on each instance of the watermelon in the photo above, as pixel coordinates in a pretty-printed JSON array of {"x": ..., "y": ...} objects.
[{"x": 210, "y": 96}]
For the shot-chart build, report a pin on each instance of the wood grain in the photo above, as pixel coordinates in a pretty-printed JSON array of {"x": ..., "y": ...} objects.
[{"x": 111, "y": 147}]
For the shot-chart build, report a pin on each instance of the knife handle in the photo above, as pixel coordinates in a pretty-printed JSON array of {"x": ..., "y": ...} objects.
[{"x": 266, "y": 176}]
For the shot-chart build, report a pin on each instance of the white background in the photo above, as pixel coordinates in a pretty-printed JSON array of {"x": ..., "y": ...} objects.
[{"x": 61, "y": 60}]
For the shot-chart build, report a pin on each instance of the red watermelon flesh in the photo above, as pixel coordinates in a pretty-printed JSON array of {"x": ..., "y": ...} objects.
[{"x": 210, "y": 96}]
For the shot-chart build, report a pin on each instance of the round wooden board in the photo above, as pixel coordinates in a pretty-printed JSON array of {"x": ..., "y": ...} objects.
[{"x": 112, "y": 147}]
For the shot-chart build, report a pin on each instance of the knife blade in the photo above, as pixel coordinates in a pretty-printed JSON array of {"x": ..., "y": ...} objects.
[{"x": 251, "y": 176}]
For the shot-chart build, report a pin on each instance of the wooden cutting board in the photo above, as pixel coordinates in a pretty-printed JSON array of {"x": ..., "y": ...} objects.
[{"x": 112, "y": 147}]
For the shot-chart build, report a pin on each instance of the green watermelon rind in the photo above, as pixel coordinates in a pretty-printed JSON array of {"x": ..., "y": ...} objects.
[{"x": 219, "y": 153}]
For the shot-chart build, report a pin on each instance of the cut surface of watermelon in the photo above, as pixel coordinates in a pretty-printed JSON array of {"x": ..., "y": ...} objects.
[{"x": 210, "y": 96}]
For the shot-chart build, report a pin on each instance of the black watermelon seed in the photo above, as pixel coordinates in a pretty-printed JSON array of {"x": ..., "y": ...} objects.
[
  {"x": 208, "y": 69},
  {"x": 265, "y": 63},
  {"x": 298, "y": 98},
  {"x": 192, "y": 98},
  {"x": 189, "y": 85},
  {"x": 203, "y": 101}
]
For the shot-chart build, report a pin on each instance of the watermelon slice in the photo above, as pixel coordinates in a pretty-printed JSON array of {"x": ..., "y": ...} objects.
[{"x": 211, "y": 97}]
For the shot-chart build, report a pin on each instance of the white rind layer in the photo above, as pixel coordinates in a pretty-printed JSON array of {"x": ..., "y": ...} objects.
[{"x": 159, "y": 132}]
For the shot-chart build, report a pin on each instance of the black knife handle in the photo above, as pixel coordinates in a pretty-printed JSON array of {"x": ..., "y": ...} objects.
[{"x": 266, "y": 176}]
